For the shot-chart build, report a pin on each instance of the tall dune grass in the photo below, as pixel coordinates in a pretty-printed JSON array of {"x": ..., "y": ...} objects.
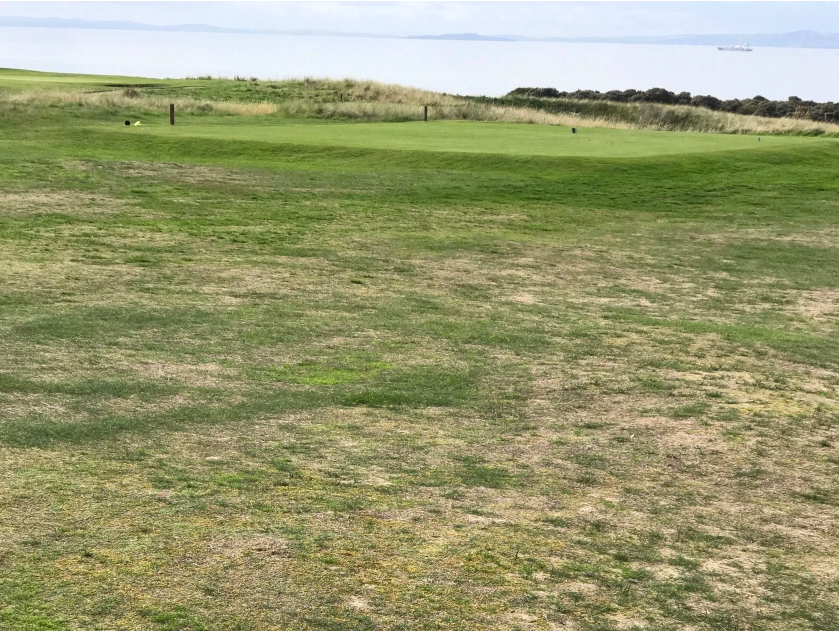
[
  {"x": 119, "y": 101},
  {"x": 374, "y": 91},
  {"x": 698, "y": 119},
  {"x": 668, "y": 117},
  {"x": 406, "y": 105},
  {"x": 452, "y": 110},
  {"x": 348, "y": 99}
]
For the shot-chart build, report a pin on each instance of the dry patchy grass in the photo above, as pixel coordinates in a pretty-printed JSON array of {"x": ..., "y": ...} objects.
[{"x": 217, "y": 417}]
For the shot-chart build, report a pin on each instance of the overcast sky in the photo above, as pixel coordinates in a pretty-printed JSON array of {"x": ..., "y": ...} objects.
[{"x": 540, "y": 19}]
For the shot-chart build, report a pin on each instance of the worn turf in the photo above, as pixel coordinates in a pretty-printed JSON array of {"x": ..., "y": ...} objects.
[{"x": 396, "y": 376}]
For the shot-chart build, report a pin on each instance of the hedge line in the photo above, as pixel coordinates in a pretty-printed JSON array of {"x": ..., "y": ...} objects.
[{"x": 793, "y": 107}]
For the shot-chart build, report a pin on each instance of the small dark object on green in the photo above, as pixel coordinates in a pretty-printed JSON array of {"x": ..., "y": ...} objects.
[
  {"x": 127, "y": 122},
  {"x": 573, "y": 130}
]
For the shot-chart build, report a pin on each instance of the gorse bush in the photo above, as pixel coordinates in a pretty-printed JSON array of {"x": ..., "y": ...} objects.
[
  {"x": 793, "y": 107},
  {"x": 645, "y": 115}
]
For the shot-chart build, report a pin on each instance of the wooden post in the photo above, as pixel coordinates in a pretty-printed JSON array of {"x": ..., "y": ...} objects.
[
  {"x": 171, "y": 113},
  {"x": 425, "y": 113}
]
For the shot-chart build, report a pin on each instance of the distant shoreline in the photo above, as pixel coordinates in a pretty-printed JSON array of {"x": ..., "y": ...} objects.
[{"x": 797, "y": 39}]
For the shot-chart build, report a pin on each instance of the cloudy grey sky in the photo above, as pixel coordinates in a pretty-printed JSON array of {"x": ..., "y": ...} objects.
[{"x": 538, "y": 19}]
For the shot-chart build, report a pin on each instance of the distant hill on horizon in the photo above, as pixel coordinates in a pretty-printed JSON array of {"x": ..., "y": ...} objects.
[
  {"x": 796, "y": 39},
  {"x": 468, "y": 37}
]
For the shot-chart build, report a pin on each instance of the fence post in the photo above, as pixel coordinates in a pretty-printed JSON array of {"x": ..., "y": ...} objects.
[
  {"x": 171, "y": 113},
  {"x": 425, "y": 113}
]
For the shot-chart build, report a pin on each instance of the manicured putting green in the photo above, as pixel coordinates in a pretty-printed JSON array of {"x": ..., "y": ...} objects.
[{"x": 480, "y": 137}]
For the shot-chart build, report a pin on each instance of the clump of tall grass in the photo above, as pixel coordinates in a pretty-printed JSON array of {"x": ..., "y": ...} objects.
[
  {"x": 697, "y": 119},
  {"x": 354, "y": 90},
  {"x": 448, "y": 110},
  {"x": 640, "y": 115},
  {"x": 387, "y": 112},
  {"x": 132, "y": 100},
  {"x": 508, "y": 114},
  {"x": 451, "y": 110}
]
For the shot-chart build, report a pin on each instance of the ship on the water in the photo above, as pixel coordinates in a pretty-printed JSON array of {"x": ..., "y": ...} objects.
[{"x": 736, "y": 49}]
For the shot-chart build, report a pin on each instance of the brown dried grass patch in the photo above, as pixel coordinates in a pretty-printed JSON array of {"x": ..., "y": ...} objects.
[
  {"x": 817, "y": 305},
  {"x": 205, "y": 375},
  {"x": 249, "y": 546},
  {"x": 30, "y": 203},
  {"x": 118, "y": 101}
]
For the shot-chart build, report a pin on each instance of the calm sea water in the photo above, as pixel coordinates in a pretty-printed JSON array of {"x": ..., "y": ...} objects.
[{"x": 490, "y": 68}]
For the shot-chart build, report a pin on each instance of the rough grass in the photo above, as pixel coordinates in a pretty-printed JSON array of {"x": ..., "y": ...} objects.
[
  {"x": 119, "y": 101},
  {"x": 698, "y": 119},
  {"x": 251, "y": 387},
  {"x": 348, "y": 99},
  {"x": 668, "y": 117},
  {"x": 465, "y": 110},
  {"x": 404, "y": 106}
]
